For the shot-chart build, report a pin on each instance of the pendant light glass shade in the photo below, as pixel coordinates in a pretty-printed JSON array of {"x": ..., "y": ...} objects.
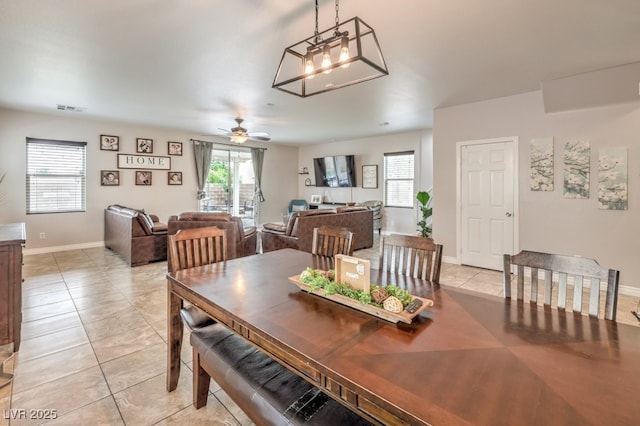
[{"x": 344, "y": 52}]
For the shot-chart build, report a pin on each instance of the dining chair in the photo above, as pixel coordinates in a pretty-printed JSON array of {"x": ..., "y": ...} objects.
[
  {"x": 567, "y": 269},
  {"x": 189, "y": 248},
  {"x": 193, "y": 247},
  {"x": 331, "y": 240},
  {"x": 418, "y": 257}
]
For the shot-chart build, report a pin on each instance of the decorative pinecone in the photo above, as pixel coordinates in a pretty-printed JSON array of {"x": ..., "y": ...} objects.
[{"x": 379, "y": 294}]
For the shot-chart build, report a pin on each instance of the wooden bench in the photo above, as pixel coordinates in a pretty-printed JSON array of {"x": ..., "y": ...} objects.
[{"x": 265, "y": 390}]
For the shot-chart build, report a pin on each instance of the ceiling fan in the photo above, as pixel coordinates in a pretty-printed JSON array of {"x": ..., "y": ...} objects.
[{"x": 240, "y": 134}]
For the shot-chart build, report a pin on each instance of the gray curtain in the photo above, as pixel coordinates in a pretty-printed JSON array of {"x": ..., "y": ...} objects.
[
  {"x": 257, "y": 158},
  {"x": 202, "y": 156}
]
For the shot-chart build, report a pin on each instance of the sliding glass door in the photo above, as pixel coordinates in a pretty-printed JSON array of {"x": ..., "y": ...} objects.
[{"x": 230, "y": 186}]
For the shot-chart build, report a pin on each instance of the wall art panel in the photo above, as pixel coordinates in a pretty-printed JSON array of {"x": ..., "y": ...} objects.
[
  {"x": 577, "y": 155},
  {"x": 541, "y": 156},
  {"x": 612, "y": 179}
]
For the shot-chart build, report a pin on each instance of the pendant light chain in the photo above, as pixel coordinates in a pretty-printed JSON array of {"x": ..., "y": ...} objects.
[
  {"x": 337, "y": 31},
  {"x": 317, "y": 34}
]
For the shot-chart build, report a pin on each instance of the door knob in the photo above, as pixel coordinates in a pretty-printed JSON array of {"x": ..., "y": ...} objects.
[{"x": 508, "y": 214}]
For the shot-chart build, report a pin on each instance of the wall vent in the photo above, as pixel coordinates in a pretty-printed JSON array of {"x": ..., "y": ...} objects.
[{"x": 70, "y": 108}]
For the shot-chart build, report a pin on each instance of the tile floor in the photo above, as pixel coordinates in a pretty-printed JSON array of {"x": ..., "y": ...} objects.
[{"x": 94, "y": 344}]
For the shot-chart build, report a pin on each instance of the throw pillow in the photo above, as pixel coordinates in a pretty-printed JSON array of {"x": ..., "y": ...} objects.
[{"x": 148, "y": 220}]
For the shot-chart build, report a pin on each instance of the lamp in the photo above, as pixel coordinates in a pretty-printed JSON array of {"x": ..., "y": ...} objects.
[
  {"x": 239, "y": 138},
  {"x": 345, "y": 54}
]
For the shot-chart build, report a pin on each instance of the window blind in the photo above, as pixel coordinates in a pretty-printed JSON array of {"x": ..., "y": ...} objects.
[
  {"x": 398, "y": 179},
  {"x": 56, "y": 176}
]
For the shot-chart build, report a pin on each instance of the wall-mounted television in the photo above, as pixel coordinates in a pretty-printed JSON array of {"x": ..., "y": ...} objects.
[{"x": 336, "y": 171}]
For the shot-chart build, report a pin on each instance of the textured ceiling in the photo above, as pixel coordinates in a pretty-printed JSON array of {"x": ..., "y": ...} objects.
[{"x": 197, "y": 64}]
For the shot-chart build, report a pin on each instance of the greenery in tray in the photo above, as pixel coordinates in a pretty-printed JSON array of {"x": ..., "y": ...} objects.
[{"x": 317, "y": 279}]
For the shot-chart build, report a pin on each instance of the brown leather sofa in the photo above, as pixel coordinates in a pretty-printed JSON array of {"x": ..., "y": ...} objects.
[
  {"x": 298, "y": 233},
  {"x": 138, "y": 237},
  {"x": 245, "y": 239}
]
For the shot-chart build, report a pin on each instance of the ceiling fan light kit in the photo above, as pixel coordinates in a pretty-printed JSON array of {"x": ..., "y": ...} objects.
[
  {"x": 239, "y": 138},
  {"x": 240, "y": 134},
  {"x": 345, "y": 54}
]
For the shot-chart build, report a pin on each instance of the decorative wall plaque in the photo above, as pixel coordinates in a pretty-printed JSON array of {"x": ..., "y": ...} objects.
[{"x": 137, "y": 161}]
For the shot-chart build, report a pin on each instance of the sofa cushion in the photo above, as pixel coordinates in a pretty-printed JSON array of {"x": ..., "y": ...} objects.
[
  {"x": 351, "y": 209},
  {"x": 278, "y": 227},
  {"x": 316, "y": 212},
  {"x": 197, "y": 216},
  {"x": 159, "y": 228},
  {"x": 250, "y": 230}
]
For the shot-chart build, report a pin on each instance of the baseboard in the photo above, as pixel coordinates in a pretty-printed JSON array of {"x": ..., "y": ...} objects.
[
  {"x": 53, "y": 249},
  {"x": 449, "y": 259}
]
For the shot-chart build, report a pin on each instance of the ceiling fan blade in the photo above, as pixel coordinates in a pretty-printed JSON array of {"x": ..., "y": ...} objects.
[{"x": 260, "y": 138}]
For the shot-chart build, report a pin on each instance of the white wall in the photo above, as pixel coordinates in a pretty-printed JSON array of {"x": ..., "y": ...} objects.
[
  {"x": 370, "y": 151},
  {"x": 548, "y": 222},
  {"x": 68, "y": 229}
]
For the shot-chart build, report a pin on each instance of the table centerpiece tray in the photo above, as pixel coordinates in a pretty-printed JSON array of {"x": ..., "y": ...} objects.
[{"x": 394, "y": 317}]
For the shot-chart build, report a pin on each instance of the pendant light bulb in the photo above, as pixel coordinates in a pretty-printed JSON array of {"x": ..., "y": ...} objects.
[
  {"x": 308, "y": 65},
  {"x": 326, "y": 58},
  {"x": 344, "y": 51}
]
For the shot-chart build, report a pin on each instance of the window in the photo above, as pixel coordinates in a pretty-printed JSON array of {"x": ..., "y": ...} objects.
[
  {"x": 56, "y": 176},
  {"x": 398, "y": 179}
]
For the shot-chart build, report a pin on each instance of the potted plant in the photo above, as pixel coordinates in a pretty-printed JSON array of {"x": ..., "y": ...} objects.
[{"x": 424, "y": 198}]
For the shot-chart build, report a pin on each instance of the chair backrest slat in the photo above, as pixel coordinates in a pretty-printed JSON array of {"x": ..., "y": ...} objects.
[
  {"x": 562, "y": 290},
  {"x": 417, "y": 257},
  {"x": 331, "y": 240},
  {"x": 569, "y": 270},
  {"x": 534, "y": 284},
  {"x": 577, "y": 293},
  {"x": 193, "y": 247}
]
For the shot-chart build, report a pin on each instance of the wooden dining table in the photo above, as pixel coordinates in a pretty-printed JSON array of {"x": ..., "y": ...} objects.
[{"x": 470, "y": 358}]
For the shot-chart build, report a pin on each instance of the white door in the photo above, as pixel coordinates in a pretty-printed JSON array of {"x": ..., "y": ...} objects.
[{"x": 487, "y": 201}]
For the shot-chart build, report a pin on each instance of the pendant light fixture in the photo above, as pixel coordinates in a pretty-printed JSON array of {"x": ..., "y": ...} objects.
[{"x": 345, "y": 54}]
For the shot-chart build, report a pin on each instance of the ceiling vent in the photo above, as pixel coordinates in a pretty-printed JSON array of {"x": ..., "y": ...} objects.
[{"x": 70, "y": 108}]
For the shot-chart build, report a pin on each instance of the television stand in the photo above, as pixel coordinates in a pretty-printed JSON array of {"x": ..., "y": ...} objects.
[{"x": 326, "y": 205}]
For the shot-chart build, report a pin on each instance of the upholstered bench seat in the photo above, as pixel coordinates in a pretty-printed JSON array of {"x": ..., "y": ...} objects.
[{"x": 264, "y": 389}]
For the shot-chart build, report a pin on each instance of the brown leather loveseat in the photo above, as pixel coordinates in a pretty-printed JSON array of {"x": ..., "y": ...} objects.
[
  {"x": 138, "y": 237},
  {"x": 245, "y": 238},
  {"x": 298, "y": 233}
]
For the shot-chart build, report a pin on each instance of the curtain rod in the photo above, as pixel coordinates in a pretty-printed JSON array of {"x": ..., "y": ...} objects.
[{"x": 230, "y": 144}]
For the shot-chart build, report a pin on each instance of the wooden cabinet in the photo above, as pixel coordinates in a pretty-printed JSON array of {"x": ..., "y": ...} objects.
[{"x": 12, "y": 238}]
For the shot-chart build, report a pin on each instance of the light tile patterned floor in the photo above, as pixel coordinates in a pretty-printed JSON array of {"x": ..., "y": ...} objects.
[{"x": 94, "y": 343}]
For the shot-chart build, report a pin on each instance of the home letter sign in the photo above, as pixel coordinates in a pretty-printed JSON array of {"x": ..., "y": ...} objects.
[{"x": 134, "y": 161}]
